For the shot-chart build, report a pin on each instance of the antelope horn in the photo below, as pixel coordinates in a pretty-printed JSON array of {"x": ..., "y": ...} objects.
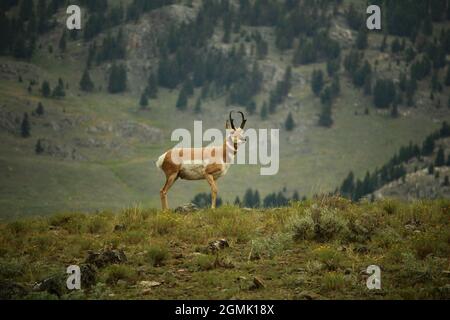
[
  {"x": 232, "y": 121},
  {"x": 243, "y": 120}
]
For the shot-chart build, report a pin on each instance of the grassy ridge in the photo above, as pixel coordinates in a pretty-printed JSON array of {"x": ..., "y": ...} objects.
[{"x": 313, "y": 249}]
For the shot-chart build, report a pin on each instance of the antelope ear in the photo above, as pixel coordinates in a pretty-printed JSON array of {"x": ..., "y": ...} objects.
[{"x": 227, "y": 125}]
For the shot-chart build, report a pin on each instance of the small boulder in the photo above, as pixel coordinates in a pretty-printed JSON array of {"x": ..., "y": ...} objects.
[
  {"x": 54, "y": 285},
  {"x": 186, "y": 208},
  {"x": 217, "y": 245},
  {"x": 149, "y": 284},
  {"x": 120, "y": 227},
  {"x": 308, "y": 295},
  {"x": 106, "y": 257},
  {"x": 88, "y": 275}
]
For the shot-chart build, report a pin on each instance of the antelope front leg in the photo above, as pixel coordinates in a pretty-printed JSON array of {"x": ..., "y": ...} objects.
[
  {"x": 212, "y": 184},
  {"x": 163, "y": 193}
]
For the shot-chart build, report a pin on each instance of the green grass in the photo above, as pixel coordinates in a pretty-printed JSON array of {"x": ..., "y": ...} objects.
[{"x": 412, "y": 261}]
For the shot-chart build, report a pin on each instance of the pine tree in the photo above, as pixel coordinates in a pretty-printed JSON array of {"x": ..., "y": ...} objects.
[
  {"x": 40, "y": 109},
  {"x": 117, "y": 79},
  {"x": 143, "y": 102},
  {"x": 317, "y": 81},
  {"x": 38, "y": 148},
  {"x": 86, "y": 83},
  {"x": 63, "y": 42},
  {"x": 152, "y": 86},
  {"x": 182, "y": 100},
  {"x": 188, "y": 87},
  {"x": 348, "y": 185},
  {"x": 237, "y": 202},
  {"x": 383, "y": 44},
  {"x": 198, "y": 106},
  {"x": 256, "y": 199},
  {"x": 289, "y": 123},
  {"x": 45, "y": 89},
  {"x": 58, "y": 91},
  {"x": 383, "y": 93},
  {"x": 248, "y": 199},
  {"x": 446, "y": 182},
  {"x": 25, "y": 126},
  {"x": 440, "y": 158}
]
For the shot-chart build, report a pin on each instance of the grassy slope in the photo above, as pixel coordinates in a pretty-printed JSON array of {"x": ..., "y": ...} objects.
[
  {"x": 409, "y": 241},
  {"x": 313, "y": 159}
]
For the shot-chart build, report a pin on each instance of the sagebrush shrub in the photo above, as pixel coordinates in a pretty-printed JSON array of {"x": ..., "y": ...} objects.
[
  {"x": 116, "y": 272},
  {"x": 325, "y": 226},
  {"x": 156, "y": 255}
]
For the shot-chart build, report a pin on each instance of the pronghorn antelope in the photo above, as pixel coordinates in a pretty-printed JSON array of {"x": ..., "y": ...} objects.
[{"x": 208, "y": 163}]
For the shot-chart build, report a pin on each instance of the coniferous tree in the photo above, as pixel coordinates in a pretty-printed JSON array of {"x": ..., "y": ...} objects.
[
  {"x": 333, "y": 66},
  {"x": 63, "y": 42},
  {"x": 289, "y": 123},
  {"x": 38, "y": 148},
  {"x": 25, "y": 126},
  {"x": 182, "y": 100},
  {"x": 143, "y": 102},
  {"x": 198, "y": 106},
  {"x": 86, "y": 83},
  {"x": 383, "y": 44},
  {"x": 348, "y": 185},
  {"x": 317, "y": 81},
  {"x": 256, "y": 199},
  {"x": 58, "y": 91},
  {"x": 117, "y": 79},
  {"x": 45, "y": 89},
  {"x": 248, "y": 199},
  {"x": 40, "y": 109},
  {"x": 383, "y": 93},
  {"x": 152, "y": 86},
  {"x": 440, "y": 158}
]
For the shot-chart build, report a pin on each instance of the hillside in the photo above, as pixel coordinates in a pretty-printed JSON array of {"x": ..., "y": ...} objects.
[
  {"x": 425, "y": 178},
  {"x": 99, "y": 148},
  {"x": 310, "y": 250}
]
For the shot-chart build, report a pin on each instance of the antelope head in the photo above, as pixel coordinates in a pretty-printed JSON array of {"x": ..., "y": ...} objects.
[{"x": 235, "y": 136}]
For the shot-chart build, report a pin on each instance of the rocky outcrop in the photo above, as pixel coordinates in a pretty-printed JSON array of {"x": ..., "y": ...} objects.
[
  {"x": 59, "y": 150},
  {"x": 9, "y": 121}
]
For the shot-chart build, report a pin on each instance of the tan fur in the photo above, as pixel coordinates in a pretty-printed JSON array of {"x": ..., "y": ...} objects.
[{"x": 206, "y": 164}]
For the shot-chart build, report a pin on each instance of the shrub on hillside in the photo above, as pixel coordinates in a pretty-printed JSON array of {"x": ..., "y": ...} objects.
[
  {"x": 322, "y": 224},
  {"x": 156, "y": 255}
]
